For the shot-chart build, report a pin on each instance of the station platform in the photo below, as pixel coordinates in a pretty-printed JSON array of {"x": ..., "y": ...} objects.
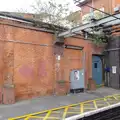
[{"x": 65, "y": 112}]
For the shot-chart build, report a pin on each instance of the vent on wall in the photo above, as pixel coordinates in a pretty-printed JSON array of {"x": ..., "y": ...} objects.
[{"x": 74, "y": 47}]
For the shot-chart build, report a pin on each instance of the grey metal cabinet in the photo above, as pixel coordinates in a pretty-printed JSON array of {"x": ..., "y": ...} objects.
[{"x": 77, "y": 79}]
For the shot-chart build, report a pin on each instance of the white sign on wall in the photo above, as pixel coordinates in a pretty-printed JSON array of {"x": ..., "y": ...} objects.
[
  {"x": 58, "y": 57},
  {"x": 114, "y": 69}
]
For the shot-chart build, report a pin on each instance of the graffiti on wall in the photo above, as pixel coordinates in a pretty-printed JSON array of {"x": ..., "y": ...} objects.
[{"x": 26, "y": 71}]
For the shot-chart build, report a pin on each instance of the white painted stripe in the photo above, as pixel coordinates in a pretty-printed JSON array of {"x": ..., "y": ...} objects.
[{"x": 93, "y": 112}]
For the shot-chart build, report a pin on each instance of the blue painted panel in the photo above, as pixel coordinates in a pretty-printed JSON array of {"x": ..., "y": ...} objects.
[
  {"x": 77, "y": 82},
  {"x": 97, "y": 69}
]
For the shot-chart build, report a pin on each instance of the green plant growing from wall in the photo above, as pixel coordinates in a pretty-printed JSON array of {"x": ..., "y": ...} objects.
[
  {"x": 61, "y": 81},
  {"x": 98, "y": 39},
  {"x": 95, "y": 37}
]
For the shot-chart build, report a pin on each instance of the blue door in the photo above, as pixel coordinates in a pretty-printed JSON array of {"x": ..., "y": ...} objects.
[{"x": 97, "y": 69}]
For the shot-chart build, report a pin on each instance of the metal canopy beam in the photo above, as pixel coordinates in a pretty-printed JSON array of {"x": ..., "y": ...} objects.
[
  {"x": 114, "y": 22},
  {"x": 104, "y": 21}
]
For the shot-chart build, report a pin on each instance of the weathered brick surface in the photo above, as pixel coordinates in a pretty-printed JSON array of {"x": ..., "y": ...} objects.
[
  {"x": 8, "y": 95},
  {"x": 8, "y": 62},
  {"x": 34, "y": 67},
  {"x": 108, "y": 5},
  {"x": 1, "y": 60},
  {"x": 77, "y": 54},
  {"x": 1, "y": 92},
  {"x": 31, "y": 67}
]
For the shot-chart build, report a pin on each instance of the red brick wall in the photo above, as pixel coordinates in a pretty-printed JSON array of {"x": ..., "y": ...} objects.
[
  {"x": 79, "y": 54},
  {"x": 1, "y": 54},
  {"x": 28, "y": 66},
  {"x": 1, "y": 60},
  {"x": 116, "y": 28},
  {"x": 86, "y": 9},
  {"x": 34, "y": 71},
  {"x": 31, "y": 67},
  {"x": 115, "y": 3},
  {"x": 107, "y": 4}
]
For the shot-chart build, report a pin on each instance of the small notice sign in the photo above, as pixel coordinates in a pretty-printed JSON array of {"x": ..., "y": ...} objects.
[
  {"x": 114, "y": 69},
  {"x": 58, "y": 57},
  {"x": 76, "y": 75}
]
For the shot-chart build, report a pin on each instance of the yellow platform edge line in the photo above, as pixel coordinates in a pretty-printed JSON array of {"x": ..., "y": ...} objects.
[{"x": 63, "y": 107}]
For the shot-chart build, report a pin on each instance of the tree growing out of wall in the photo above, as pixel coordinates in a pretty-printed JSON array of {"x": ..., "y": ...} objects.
[
  {"x": 52, "y": 12},
  {"x": 95, "y": 14},
  {"x": 97, "y": 37}
]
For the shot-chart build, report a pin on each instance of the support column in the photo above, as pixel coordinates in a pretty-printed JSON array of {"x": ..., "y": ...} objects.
[
  {"x": 58, "y": 52},
  {"x": 8, "y": 86},
  {"x": 113, "y": 50},
  {"x": 1, "y": 70}
]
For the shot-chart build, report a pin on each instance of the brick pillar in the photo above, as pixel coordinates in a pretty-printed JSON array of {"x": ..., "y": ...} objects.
[
  {"x": 8, "y": 94},
  {"x": 1, "y": 91},
  {"x": 58, "y": 51},
  {"x": 1, "y": 70},
  {"x": 8, "y": 87}
]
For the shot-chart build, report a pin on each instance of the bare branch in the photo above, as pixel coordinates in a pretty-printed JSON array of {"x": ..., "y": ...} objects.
[{"x": 52, "y": 12}]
